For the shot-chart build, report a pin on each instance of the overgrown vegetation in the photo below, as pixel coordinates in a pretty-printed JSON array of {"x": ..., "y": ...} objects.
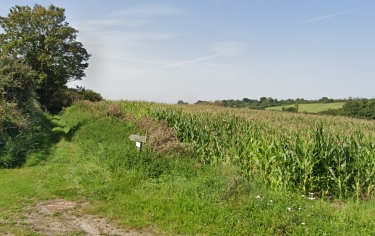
[
  {"x": 21, "y": 129},
  {"x": 39, "y": 56},
  {"x": 95, "y": 162},
  {"x": 21, "y": 133},
  {"x": 18, "y": 82},
  {"x": 46, "y": 43},
  {"x": 24, "y": 127}
]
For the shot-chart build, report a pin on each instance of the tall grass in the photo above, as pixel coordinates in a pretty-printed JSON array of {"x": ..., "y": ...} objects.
[{"x": 22, "y": 132}]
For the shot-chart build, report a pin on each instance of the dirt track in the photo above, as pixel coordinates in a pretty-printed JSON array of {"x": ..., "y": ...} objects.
[{"x": 60, "y": 217}]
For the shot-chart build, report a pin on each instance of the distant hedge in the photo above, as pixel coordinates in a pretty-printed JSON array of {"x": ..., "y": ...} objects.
[{"x": 357, "y": 108}]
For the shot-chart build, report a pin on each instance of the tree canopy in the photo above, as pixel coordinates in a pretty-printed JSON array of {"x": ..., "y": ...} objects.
[{"x": 45, "y": 41}]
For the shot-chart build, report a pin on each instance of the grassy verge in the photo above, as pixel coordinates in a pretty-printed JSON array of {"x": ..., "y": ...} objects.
[
  {"x": 96, "y": 162},
  {"x": 311, "y": 108}
]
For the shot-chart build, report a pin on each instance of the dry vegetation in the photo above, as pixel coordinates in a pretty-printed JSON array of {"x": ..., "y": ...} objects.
[{"x": 161, "y": 137}]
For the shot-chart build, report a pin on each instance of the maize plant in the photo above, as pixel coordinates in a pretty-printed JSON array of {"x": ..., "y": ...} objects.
[
  {"x": 330, "y": 156},
  {"x": 302, "y": 155}
]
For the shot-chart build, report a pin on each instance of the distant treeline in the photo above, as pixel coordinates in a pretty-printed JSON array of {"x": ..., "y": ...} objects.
[
  {"x": 357, "y": 108},
  {"x": 265, "y": 102},
  {"x": 353, "y": 107}
]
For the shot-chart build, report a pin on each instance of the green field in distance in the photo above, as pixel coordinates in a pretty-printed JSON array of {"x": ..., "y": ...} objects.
[{"x": 312, "y": 108}]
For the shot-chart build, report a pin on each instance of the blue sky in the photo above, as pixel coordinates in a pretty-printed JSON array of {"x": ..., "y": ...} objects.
[{"x": 192, "y": 50}]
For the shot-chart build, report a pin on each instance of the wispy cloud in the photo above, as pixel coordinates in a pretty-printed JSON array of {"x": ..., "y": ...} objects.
[
  {"x": 132, "y": 17},
  {"x": 135, "y": 36},
  {"x": 117, "y": 38},
  {"x": 322, "y": 39},
  {"x": 328, "y": 16},
  {"x": 94, "y": 24},
  {"x": 229, "y": 48},
  {"x": 147, "y": 11},
  {"x": 180, "y": 63},
  {"x": 221, "y": 49},
  {"x": 335, "y": 14}
]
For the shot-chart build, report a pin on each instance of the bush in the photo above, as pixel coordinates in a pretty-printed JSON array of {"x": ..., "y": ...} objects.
[
  {"x": 333, "y": 112},
  {"x": 21, "y": 133},
  {"x": 289, "y": 109},
  {"x": 88, "y": 94},
  {"x": 17, "y": 82},
  {"x": 65, "y": 97}
]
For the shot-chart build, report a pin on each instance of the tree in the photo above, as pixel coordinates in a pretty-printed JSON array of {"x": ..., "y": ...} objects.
[
  {"x": 353, "y": 108},
  {"x": 262, "y": 99},
  {"x": 182, "y": 102},
  {"x": 17, "y": 82},
  {"x": 88, "y": 94},
  {"x": 289, "y": 109},
  {"x": 46, "y": 42},
  {"x": 246, "y": 100}
]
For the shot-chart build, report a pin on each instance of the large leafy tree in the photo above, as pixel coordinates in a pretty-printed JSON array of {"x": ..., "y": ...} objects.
[{"x": 46, "y": 42}]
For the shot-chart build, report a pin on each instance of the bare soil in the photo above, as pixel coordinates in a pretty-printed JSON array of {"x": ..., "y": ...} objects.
[{"x": 61, "y": 217}]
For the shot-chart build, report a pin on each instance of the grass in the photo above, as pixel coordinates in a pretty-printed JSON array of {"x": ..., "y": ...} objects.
[
  {"x": 96, "y": 162},
  {"x": 311, "y": 108}
]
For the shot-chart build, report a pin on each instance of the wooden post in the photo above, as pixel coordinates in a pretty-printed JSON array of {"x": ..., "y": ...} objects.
[{"x": 139, "y": 140}]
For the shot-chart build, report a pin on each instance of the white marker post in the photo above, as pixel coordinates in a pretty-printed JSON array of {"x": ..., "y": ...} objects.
[
  {"x": 139, "y": 146},
  {"x": 139, "y": 140}
]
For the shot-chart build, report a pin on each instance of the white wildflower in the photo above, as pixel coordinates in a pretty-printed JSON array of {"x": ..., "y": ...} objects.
[
  {"x": 257, "y": 197},
  {"x": 289, "y": 209},
  {"x": 303, "y": 223}
]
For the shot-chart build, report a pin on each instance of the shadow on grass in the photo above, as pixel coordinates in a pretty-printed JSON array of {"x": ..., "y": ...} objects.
[{"x": 34, "y": 143}]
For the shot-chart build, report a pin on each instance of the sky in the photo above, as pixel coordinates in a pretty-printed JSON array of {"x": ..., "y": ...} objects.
[{"x": 171, "y": 50}]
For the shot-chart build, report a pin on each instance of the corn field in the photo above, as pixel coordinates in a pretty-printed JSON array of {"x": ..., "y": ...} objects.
[{"x": 329, "y": 156}]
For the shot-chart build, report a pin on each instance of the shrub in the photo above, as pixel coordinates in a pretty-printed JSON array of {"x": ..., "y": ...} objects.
[
  {"x": 21, "y": 133},
  {"x": 289, "y": 109},
  {"x": 17, "y": 82}
]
